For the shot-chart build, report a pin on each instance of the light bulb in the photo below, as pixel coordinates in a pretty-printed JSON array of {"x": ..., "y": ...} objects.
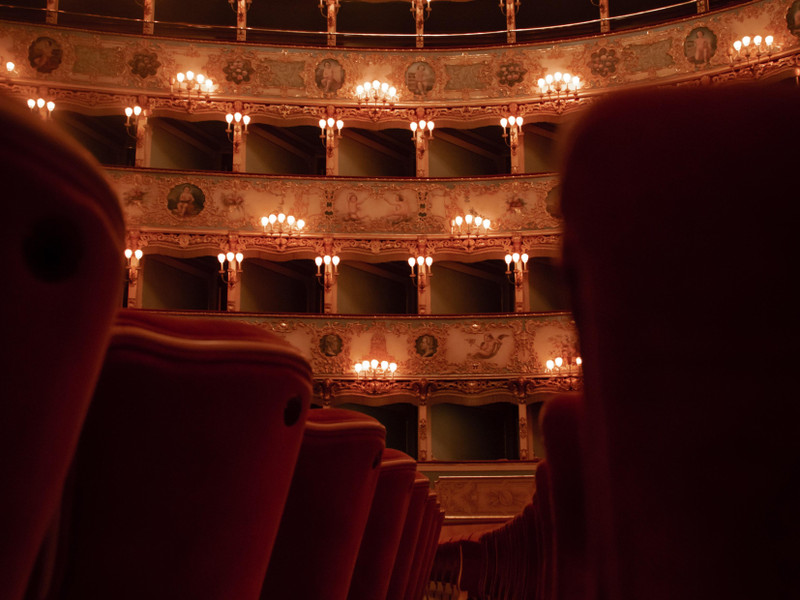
[
  {"x": 138, "y": 254},
  {"x": 221, "y": 258},
  {"x": 335, "y": 260},
  {"x": 322, "y": 124},
  {"x": 128, "y": 253}
]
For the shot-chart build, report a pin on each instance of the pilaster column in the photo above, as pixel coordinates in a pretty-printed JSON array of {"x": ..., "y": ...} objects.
[
  {"x": 510, "y": 8},
  {"x": 241, "y": 20},
  {"x": 144, "y": 139},
  {"x": 148, "y": 17},
  {"x": 702, "y": 6},
  {"x": 330, "y": 9},
  {"x": 51, "y": 16},
  {"x": 420, "y": 9},
  {"x": 518, "y": 151},
  {"x": 605, "y": 21}
]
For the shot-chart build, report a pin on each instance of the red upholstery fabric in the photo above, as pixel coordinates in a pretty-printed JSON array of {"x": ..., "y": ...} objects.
[
  {"x": 427, "y": 529},
  {"x": 543, "y": 516},
  {"x": 680, "y": 241},
  {"x": 428, "y": 552},
  {"x": 561, "y": 426},
  {"x": 61, "y": 238},
  {"x": 328, "y": 507},
  {"x": 185, "y": 461},
  {"x": 384, "y": 528},
  {"x": 408, "y": 542}
]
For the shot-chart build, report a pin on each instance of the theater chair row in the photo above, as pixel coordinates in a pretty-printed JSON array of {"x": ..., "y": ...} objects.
[
  {"x": 537, "y": 555},
  {"x": 677, "y": 475},
  {"x": 149, "y": 456}
]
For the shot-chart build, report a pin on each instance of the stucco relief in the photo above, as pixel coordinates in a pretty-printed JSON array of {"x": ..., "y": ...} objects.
[
  {"x": 354, "y": 207},
  {"x": 430, "y": 76}
]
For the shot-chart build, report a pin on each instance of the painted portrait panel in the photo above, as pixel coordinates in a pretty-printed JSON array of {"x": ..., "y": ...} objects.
[
  {"x": 700, "y": 45},
  {"x": 329, "y": 76},
  {"x": 45, "y": 54},
  {"x": 426, "y": 346},
  {"x": 420, "y": 78},
  {"x": 185, "y": 200}
]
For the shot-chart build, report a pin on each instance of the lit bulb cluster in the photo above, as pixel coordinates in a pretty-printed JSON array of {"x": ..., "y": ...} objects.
[
  {"x": 235, "y": 119},
  {"x": 511, "y": 121},
  {"x": 190, "y": 82},
  {"x": 132, "y": 112},
  {"x": 423, "y": 270},
  {"x": 330, "y": 125},
  {"x": 327, "y": 269},
  {"x": 42, "y": 106},
  {"x": 469, "y": 225},
  {"x": 132, "y": 258},
  {"x": 559, "y": 83},
  {"x": 556, "y": 365},
  {"x": 230, "y": 274},
  {"x": 749, "y": 48},
  {"x": 282, "y": 224},
  {"x": 517, "y": 273},
  {"x": 376, "y": 92},
  {"x": 375, "y": 369},
  {"x": 418, "y": 128}
]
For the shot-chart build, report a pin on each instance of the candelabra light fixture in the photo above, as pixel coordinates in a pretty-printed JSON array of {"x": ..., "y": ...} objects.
[
  {"x": 132, "y": 258},
  {"x": 747, "y": 48},
  {"x": 559, "y": 84},
  {"x": 421, "y": 9},
  {"x": 516, "y": 274},
  {"x": 132, "y": 114},
  {"x": 231, "y": 272},
  {"x": 423, "y": 272},
  {"x": 469, "y": 225},
  {"x": 512, "y": 127},
  {"x": 330, "y": 131},
  {"x": 567, "y": 372},
  {"x": 375, "y": 369},
  {"x": 42, "y": 107},
  {"x": 421, "y": 131},
  {"x": 509, "y": 5},
  {"x": 327, "y": 270},
  {"x": 377, "y": 93},
  {"x": 282, "y": 224},
  {"x": 191, "y": 87},
  {"x": 237, "y": 128}
]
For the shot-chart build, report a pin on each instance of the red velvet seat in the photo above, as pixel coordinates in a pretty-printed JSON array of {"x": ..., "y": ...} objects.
[
  {"x": 185, "y": 461},
  {"x": 432, "y": 527},
  {"x": 328, "y": 507},
  {"x": 681, "y": 245},
  {"x": 61, "y": 238},
  {"x": 543, "y": 517},
  {"x": 561, "y": 426},
  {"x": 381, "y": 540},
  {"x": 408, "y": 542}
]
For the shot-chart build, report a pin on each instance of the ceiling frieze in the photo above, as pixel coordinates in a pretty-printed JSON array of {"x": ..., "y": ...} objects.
[{"x": 102, "y": 72}]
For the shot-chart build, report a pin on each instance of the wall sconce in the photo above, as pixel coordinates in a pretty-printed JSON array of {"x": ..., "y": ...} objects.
[
  {"x": 41, "y": 106},
  {"x": 559, "y": 84},
  {"x": 326, "y": 7},
  {"x": 376, "y": 93},
  {"x": 375, "y": 369},
  {"x": 237, "y": 128},
  {"x": 422, "y": 132},
  {"x": 282, "y": 224},
  {"x": 747, "y": 48},
  {"x": 421, "y": 9},
  {"x": 423, "y": 272},
  {"x": 517, "y": 274},
  {"x": 230, "y": 274},
  {"x": 10, "y": 67},
  {"x": 132, "y": 258},
  {"x": 469, "y": 225},
  {"x": 330, "y": 131},
  {"x": 327, "y": 276},
  {"x": 132, "y": 114},
  {"x": 512, "y": 126},
  {"x": 235, "y": 4},
  {"x": 509, "y": 5},
  {"x": 191, "y": 87}
]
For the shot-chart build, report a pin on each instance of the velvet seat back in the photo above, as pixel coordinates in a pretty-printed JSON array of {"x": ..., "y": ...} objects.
[
  {"x": 681, "y": 247},
  {"x": 408, "y": 541},
  {"x": 61, "y": 239},
  {"x": 387, "y": 515},
  {"x": 328, "y": 507},
  {"x": 185, "y": 461},
  {"x": 561, "y": 422}
]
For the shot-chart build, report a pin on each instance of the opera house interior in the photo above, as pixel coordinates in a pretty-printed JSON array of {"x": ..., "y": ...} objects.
[{"x": 399, "y": 299}]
